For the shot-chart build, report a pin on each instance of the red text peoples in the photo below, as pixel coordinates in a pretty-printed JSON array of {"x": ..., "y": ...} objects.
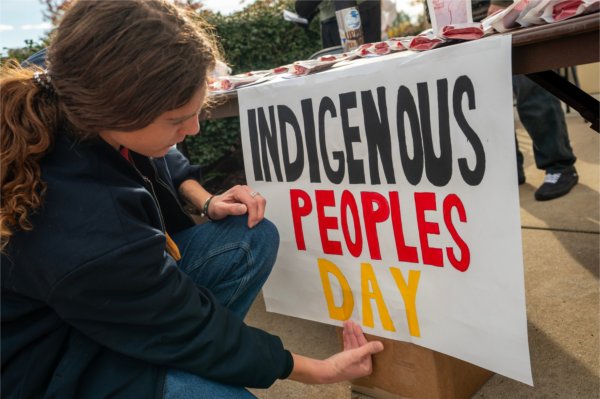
[{"x": 359, "y": 215}]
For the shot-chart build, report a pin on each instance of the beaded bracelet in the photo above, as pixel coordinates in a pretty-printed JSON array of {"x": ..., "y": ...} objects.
[{"x": 205, "y": 208}]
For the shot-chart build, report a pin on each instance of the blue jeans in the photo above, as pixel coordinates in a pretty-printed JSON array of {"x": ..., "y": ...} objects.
[
  {"x": 234, "y": 262},
  {"x": 543, "y": 118}
]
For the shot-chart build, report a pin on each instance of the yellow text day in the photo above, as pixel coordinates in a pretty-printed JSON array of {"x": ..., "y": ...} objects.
[{"x": 371, "y": 294}]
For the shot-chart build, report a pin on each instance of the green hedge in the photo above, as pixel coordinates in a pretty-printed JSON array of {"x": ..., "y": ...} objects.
[{"x": 256, "y": 38}]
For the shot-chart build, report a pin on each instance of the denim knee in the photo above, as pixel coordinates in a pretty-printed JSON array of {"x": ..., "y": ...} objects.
[
  {"x": 261, "y": 241},
  {"x": 261, "y": 244},
  {"x": 265, "y": 243}
]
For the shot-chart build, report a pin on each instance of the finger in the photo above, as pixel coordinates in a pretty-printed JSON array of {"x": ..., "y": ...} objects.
[
  {"x": 370, "y": 348},
  {"x": 234, "y": 209},
  {"x": 224, "y": 205},
  {"x": 352, "y": 339},
  {"x": 360, "y": 336},
  {"x": 348, "y": 335},
  {"x": 256, "y": 204},
  {"x": 345, "y": 336}
]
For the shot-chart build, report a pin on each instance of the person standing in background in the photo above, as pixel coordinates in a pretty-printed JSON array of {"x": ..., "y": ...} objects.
[
  {"x": 543, "y": 117},
  {"x": 370, "y": 17}
]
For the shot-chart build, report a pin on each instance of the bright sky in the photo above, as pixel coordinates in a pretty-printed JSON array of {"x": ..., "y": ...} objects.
[{"x": 23, "y": 19}]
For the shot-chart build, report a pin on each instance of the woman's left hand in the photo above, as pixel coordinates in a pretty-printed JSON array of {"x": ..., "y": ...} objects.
[
  {"x": 354, "y": 361},
  {"x": 238, "y": 200}
]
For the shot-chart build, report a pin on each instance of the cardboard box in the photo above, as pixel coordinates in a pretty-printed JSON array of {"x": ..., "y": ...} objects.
[{"x": 408, "y": 371}]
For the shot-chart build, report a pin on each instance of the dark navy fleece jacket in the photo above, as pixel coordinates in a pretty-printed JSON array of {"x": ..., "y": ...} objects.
[{"x": 93, "y": 307}]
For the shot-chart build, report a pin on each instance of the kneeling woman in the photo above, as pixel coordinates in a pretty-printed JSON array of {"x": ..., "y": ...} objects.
[{"x": 108, "y": 287}]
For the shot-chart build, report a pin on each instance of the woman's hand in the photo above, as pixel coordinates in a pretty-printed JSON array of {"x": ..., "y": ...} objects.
[
  {"x": 238, "y": 200},
  {"x": 353, "y": 362}
]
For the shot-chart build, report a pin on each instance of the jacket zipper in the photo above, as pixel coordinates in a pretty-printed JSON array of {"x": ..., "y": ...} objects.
[
  {"x": 165, "y": 185},
  {"x": 171, "y": 245},
  {"x": 153, "y": 194}
]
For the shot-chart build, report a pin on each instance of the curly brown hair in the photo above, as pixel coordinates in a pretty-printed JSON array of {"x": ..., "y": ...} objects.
[
  {"x": 24, "y": 139},
  {"x": 114, "y": 65}
]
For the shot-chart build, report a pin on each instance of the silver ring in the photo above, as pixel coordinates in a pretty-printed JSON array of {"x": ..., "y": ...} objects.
[{"x": 254, "y": 194}]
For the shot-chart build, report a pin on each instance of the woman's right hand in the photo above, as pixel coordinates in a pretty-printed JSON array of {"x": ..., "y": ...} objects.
[
  {"x": 239, "y": 200},
  {"x": 353, "y": 362}
]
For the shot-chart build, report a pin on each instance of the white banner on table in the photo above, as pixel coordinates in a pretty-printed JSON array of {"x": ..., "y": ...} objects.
[{"x": 393, "y": 184}]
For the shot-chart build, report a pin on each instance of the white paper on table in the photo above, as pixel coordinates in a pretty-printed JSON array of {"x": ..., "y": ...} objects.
[
  {"x": 508, "y": 18},
  {"x": 449, "y": 12},
  {"x": 532, "y": 14}
]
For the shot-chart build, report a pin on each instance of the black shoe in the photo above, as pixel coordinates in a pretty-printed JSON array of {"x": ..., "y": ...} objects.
[
  {"x": 520, "y": 175},
  {"x": 556, "y": 185}
]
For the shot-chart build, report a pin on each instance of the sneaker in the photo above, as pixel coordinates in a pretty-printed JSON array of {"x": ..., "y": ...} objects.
[{"x": 556, "y": 185}]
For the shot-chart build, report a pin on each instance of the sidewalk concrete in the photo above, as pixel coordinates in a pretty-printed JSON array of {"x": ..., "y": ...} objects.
[{"x": 561, "y": 257}]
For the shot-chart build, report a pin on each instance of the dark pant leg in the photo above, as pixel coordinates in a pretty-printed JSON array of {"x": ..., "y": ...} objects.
[
  {"x": 543, "y": 118},
  {"x": 330, "y": 34},
  {"x": 519, "y": 154},
  {"x": 370, "y": 19}
]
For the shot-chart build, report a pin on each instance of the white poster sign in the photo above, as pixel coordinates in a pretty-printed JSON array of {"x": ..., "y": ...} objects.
[{"x": 393, "y": 184}]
